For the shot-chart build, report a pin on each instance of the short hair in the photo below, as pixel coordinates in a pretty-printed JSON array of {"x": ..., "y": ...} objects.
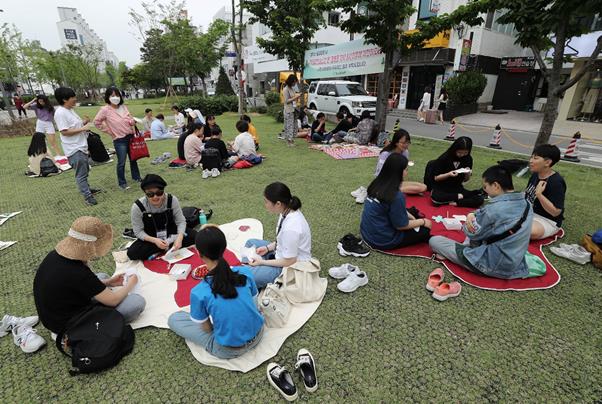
[
  {"x": 246, "y": 118},
  {"x": 160, "y": 117},
  {"x": 320, "y": 115},
  {"x": 242, "y": 126},
  {"x": 62, "y": 94},
  {"x": 216, "y": 131},
  {"x": 340, "y": 115},
  {"x": 547, "y": 152},
  {"x": 500, "y": 175},
  {"x": 146, "y": 111},
  {"x": 175, "y": 107},
  {"x": 110, "y": 91},
  {"x": 210, "y": 117}
]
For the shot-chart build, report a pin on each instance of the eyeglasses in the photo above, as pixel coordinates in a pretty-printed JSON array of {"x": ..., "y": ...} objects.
[{"x": 151, "y": 194}]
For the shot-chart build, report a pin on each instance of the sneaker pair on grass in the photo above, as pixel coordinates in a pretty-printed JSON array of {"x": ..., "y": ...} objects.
[
  {"x": 211, "y": 173},
  {"x": 360, "y": 194},
  {"x": 351, "y": 245},
  {"x": 352, "y": 276},
  {"x": 283, "y": 382},
  {"x": 572, "y": 252},
  {"x": 24, "y": 336},
  {"x": 442, "y": 290}
]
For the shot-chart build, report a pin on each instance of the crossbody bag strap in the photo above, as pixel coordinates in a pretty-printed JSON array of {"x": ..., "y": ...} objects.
[{"x": 511, "y": 231}]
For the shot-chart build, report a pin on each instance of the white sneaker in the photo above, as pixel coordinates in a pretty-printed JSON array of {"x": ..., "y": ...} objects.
[
  {"x": 358, "y": 191},
  {"x": 361, "y": 198},
  {"x": 343, "y": 271},
  {"x": 573, "y": 252},
  {"x": 206, "y": 174},
  {"x": 26, "y": 337},
  {"x": 332, "y": 140},
  {"x": 215, "y": 172},
  {"x": 9, "y": 322},
  {"x": 353, "y": 281}
]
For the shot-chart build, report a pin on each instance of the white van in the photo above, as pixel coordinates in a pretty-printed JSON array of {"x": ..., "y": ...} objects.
[{"x": 340, "y": 96}]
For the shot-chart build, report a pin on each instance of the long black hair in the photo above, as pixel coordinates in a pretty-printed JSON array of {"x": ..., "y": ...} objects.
[
  {"x": 47, "y": 105},
  {"x": 211, "y": 243},
  {"x": 37, "y": 145},
  {"x": 278, "y": 192},
  {"x": 461, "y": 143},
  {"x": 291, "y": 80},
  {"x": 397, "y": 136},
  {"x": 386, "y": 185}
]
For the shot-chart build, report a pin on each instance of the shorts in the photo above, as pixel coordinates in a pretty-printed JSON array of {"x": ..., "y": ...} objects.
[
  {"x": 45, "y": 127},
  {"x": 549, "y": 226}
]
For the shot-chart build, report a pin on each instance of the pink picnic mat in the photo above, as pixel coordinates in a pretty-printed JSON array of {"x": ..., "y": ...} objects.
[
  {"x": 347, "y": 151},
  {"x": 424, "y": 205}
]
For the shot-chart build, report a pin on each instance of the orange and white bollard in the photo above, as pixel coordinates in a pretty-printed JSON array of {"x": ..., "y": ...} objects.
[
  {"x": 572, "y": 152},
  {"x": 452, "y": 131},
  {"x": 496, "y": 139}
]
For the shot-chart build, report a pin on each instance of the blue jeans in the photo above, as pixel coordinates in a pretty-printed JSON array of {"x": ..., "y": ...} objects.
[
  {"x": 263, "y": 274},
  {"x": 180, "y": 323},
  {"x": 130, "y": 307},
  {"x": 122, "y": 149},
  {"x": 79, "y": 162},
  {"x": 318, "y": 137}
]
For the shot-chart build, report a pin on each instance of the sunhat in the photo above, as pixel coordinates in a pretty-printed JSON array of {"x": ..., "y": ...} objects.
[{"x": 87, "y": 238}]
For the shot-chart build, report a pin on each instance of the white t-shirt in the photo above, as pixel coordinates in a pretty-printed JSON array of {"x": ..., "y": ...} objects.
[
  {"x": 180, "y": 120},
  {"x": 426, "y": 101},
  {"x": 68, "y": 119},
  {"x": 294, "y": 238},
  {"x": 244, "y": 145}
]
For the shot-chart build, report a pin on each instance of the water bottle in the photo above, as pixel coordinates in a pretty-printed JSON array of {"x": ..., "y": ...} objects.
[{"x": 202, "y": 217}]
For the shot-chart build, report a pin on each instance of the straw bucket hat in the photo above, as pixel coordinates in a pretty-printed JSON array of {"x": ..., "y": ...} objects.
[{"x": 87, "y": 238}]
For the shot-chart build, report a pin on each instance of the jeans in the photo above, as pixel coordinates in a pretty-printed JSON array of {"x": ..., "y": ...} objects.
[
  {"x": 122, "y": 149},
  {"x": 131, "y": 306},
  {"x": 263, "y": 274},
  {"x": 318, "y": 137},
  {"x": 79, "y": 162},
  {"x": 339, "y": 137},
  {"x": 180, "y": 323}
]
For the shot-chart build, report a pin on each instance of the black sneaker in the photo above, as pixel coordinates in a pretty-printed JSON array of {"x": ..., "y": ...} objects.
[
  {"x": 282, "y": 381},
  {"x": 351, "y": 245},
  {"x": 95, "y": 191},
  {"x": 91, "y": 201},
  {"x": 129, "y": 233},
  {"x": 307, "y": 367}
]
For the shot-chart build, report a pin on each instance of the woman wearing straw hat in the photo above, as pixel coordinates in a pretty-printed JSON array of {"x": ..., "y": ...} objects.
[
  {"x": 64, "y": 285},
  {"x": 157, "y": 221}
]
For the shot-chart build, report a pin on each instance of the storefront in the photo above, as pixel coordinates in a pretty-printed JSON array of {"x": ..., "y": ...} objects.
[
  {"x": 517, "y": 84},
  {"x": 585, "y": 103}
]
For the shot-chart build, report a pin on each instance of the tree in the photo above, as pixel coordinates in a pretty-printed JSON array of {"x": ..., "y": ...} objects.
[
  {"x": 236, "y": 34},
  {"x": 153, "y": 15},
  {"x": 223, "y": 86},
  {"x": 210, "y": 49}
]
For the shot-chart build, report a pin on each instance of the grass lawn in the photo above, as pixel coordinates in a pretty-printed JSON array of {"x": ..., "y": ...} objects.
[{"x": 387, "y": 342}]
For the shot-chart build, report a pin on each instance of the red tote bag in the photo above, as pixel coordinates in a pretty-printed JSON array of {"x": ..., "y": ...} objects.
[{"x": 138, "y": 147}]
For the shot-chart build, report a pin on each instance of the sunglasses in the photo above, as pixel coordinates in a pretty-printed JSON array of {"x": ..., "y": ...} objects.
[{"x": 151, "y": 194}]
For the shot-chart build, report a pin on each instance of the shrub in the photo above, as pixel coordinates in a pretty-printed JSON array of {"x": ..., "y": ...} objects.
[
  {"x": 223, "y": 86},
  {"x": 260, "y": 109},
  {"x": 272, "y": 98},
  {"x": 215, "y": 105},
  {"x": 466, "y": 87},
  {"x": 275, "y": 110}
]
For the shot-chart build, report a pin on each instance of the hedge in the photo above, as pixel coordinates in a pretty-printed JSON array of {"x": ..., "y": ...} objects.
[{"x": 215, "y": 105}]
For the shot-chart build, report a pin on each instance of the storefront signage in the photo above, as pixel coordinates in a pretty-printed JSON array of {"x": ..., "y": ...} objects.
[
  {"x": 464, "y": 55},
  {"x": 70, "y": 34},
  {"x": 441, "y": 40},
  {"x": 347, "y": 59},
  {"x": 518, "y": 64}
]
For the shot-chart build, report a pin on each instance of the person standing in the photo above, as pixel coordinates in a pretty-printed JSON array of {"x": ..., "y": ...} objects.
[
  {"x": 45, "y": 113},
  {"x": 19, "y": 105},
  {"x": 290, "y": 100},
  {"x": 442, "y": 104},
  {"x": 74, "y": 138},
  {"x": 425, "y": 104},
  {"x": 115, "y": 120}
]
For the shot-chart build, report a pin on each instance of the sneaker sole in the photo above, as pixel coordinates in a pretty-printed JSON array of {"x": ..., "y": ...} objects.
[
  {"x": 306, "y": 352},
  {"x": 286, "y": 397},
  {"x": 345, "y": 253},
  {"x": 444, "y": 298},
  {"x": 33, "y": 350},
  {"x": 354, "y": 289},
  {"x": 337, "y": 277}
]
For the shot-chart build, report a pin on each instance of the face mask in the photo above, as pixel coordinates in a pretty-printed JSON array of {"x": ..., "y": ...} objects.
[{"x": 114, "y": 100}]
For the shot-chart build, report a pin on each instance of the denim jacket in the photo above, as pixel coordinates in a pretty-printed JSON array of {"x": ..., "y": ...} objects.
[{"x": 504, "y": 258}]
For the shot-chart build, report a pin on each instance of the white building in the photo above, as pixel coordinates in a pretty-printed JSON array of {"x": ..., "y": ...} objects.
[{"x": 74, "y": 30}]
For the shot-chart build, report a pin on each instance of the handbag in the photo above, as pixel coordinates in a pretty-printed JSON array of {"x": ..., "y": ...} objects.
[
  {"x": 138, "y": 147},
  {"x": 274, "y": 306},
  {"x": 301, "y": 282}
]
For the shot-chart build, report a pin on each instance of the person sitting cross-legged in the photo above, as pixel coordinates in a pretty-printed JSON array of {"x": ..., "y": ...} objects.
[{"x": 159, "y": 130}]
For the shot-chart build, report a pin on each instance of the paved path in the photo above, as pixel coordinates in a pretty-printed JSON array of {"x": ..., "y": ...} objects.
[{"x": 590, "y": 152}]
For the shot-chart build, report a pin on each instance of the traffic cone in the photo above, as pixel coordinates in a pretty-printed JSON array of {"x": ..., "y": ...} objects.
[
  {"x": 496, "y": 138},
  {"x": 572, "y": 152},
  {"x": 397, "y": 126},
  {"x": 452, "y": 131}
]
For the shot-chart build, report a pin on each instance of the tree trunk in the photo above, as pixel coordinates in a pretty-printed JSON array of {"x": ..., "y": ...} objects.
[
  {"x": 303, "y": 89},
  {"x": 550, "y": 113},
  {"x": 204, "y": 86},
  {"x": 384, "y": 81}
]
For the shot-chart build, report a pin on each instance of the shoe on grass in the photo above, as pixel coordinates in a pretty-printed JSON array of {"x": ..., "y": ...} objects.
[
  {"x": 129, "y": 234},
  {"x": 9, "y": 322},
  {"x": 282, "y": 381},
  {"x": 351, "y": 245},
  {"x": 447, "y": 290},
  {"x": 343, "y": 271},
  {"x": 95, "y": 191},
  {"x": 361, "y": 198},
  {"x": 435, "y": 278},
  {"x": 307, "y": 368},
  {"x": 352, "y": 282},
  {"x": 206, "y": 174},
  {"x": 91, "y": 201},
  {"x": 27, "y": 338},
  {"x": 572, "y": 252},
  {"x": 215, "y": 172},
  {"x": 124, "y": 187},
  {"x": 358, "y": 191}
]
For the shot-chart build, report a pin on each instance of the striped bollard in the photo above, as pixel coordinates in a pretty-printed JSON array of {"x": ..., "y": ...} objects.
[
  {"x": 452, "y": 131},
  {"x": 397, "y": 126},
  {"x": 572, "y": 152},
  {"x": 496, "y": 139}
]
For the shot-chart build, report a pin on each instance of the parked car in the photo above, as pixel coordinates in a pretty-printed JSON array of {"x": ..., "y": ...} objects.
[{"x": 334, "y": 96}]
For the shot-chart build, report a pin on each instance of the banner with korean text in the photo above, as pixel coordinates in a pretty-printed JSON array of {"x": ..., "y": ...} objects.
[{"x": 352, "y": 58}]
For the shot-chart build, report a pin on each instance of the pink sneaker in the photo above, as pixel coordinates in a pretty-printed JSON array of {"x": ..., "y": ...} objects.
[
  {"x": 435, "y": 278},
  {"x": 447, "y": 290}
]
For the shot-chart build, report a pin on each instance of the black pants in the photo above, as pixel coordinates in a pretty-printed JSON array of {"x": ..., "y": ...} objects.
[
  {"x": 181, "y": 141},
  {"x": 142, "y": 250},
  {"x": 472, "y": 199},
  {"x": 411, "y": 237}
]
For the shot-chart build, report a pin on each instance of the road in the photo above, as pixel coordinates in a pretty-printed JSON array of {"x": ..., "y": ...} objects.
[{"x": 590, "y": 152}]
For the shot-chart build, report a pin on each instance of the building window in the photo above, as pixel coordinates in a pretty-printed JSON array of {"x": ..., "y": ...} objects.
[
  {"x": 506, "y": 29},
  {"x": 334, "y": 18},
  {"x": 489, "y": 19},
  {"x": 425, "y": 9}
]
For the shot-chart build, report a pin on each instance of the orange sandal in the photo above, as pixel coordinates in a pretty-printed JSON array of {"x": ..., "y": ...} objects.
[
  {"x": 435, "y": 278},
  {"x": 447, "y": 290}
]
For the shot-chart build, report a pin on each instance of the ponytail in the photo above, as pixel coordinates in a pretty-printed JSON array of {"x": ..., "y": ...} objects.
[{"x": 279, "y": 192}]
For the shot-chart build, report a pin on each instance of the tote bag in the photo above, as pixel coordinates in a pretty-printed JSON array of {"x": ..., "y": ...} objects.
[
  {"x": 138, "y": 147},
  {"x": 301, "y": 282}
]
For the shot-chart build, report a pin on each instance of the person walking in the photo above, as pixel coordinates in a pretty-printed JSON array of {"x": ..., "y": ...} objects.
[
  {"x": 290, "y": 100},
  {"x": 45, "y": 113},
  {"x": 19, "y": 105},
  {"x": 115, "y": 120}
]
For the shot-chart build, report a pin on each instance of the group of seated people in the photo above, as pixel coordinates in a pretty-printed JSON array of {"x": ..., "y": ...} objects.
[
  {"x": 497, "y": 234},
  {"x": 349, "y": 129}
]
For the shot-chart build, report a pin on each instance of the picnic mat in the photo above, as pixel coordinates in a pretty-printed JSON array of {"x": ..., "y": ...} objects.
[
  {"x": 424, "y": 205},
  {"x": 347, "y": 151},
  {"x": 164, "y": 297}
]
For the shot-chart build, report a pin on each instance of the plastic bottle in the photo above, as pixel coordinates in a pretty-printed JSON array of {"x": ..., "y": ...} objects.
[{"x": 202, "y": 217}]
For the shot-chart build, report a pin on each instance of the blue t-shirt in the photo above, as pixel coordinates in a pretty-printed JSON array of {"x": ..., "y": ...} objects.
[
  {"x": 235, "y": 321},
  {"x": 381, "y": 220}
]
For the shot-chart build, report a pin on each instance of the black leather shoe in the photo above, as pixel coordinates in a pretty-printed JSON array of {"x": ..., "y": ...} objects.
[
  {"x": 282, "y": 381},
  {"x": 307, "y": 367}
]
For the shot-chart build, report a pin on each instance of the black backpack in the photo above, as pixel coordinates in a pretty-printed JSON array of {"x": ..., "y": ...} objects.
[
  {"x": 211, "y": 158},
  {"x": 429, "y": 174},
  {"x": 47, "y": 167},
  {"x": 98, "y": 338},
  {"x": 191, "y": 214},
  {"x": 97, "y": 150}
]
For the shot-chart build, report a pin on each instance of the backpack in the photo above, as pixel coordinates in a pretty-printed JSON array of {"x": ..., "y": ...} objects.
[
  {"x": 98, "y": 338},
  {"x": 47, "y": 167},
  {"x": 211, "y": 158},
  {"x": 97, "y": 150}
]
